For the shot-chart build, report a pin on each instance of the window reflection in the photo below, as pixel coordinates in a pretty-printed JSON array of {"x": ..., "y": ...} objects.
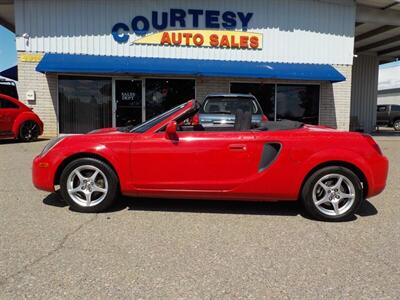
[
  {"x": 84, "y": 103},
  {"x": 298, "y": 102},
  {"x": 265, "y": 94},
  {"x": 163, "y": 94}
]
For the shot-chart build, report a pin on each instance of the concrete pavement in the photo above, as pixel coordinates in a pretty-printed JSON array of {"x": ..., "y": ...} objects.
[{"x": 148, "y": 248}]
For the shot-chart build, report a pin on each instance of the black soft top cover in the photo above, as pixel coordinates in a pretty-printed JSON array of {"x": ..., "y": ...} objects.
[{"x": 280, "y": 125}]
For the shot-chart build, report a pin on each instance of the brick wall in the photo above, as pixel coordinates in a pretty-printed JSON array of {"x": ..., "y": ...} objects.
[
  {"x": 205, "y": 86},
  {"x": 335, "y": 101},
  {"x": 45, "y": 87}
]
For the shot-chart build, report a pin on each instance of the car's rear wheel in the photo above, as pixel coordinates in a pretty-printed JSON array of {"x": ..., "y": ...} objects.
[
  {"x": 332, "y": 194},
  {"x": 89, "y": 185},
  {"x": 29, "y": 131},
  {"x": 396, "y": 125}
]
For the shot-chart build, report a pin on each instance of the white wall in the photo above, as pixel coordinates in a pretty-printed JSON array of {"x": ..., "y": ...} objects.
[
  {"x": 294, "y": 31},
  {"x": 392, "y": 98}
]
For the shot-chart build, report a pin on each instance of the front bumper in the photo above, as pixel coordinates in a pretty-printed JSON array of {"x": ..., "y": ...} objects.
[{"x": 43, "y": 174}]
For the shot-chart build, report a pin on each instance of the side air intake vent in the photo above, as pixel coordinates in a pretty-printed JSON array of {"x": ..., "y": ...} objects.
[{"x": 269, "y": 154}]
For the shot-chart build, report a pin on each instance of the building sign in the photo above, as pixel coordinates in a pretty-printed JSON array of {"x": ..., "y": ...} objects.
[
  {"x": 128, "y": 96},
  {"x": 221, "y": 29},
  {"x": 204, "y": 38},
  {"x": 129, "y": 93},
  {"x": 31, "y": 57}
]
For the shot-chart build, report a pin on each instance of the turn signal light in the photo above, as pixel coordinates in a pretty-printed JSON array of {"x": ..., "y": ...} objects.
[{"x": 43, "y": 165}]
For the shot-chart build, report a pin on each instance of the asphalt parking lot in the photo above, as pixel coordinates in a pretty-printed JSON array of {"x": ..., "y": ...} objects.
[{"x": 149, "y": 248}]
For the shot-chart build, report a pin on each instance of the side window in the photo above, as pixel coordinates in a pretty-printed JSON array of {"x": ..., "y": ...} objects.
[
  {"x": 8, "y": 88},
  {"x": 7, "y": 104},
  {"x": 381, "y": 108},
  {"x": 395, "y": 107}
]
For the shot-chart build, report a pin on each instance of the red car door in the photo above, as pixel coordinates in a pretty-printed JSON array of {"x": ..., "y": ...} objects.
[
  {"x": 8, "y": 113},
  {"x": 198, "y": 160}
]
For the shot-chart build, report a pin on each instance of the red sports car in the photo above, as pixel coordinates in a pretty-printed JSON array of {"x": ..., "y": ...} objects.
[
  {"x": 330, "y": 171},
  {"x": 18, "y": 121}
]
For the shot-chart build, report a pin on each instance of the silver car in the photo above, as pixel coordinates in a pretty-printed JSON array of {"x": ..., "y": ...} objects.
[{"x": 220, "y": 109}]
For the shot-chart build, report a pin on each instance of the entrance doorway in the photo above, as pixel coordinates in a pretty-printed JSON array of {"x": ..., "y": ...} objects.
[
  {"x": 128, "y": 101},
  {"x": 137, "y": 100}
]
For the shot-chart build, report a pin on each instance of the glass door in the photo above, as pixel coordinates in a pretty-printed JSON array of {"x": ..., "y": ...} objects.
[{"x": 128, "y": 101}]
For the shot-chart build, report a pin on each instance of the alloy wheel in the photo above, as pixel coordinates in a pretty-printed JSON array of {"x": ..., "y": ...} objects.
[
  {"x": 334, "y": 194},
  {"x": 29, "y": 130},
  {"x": 87, "y": 185}
]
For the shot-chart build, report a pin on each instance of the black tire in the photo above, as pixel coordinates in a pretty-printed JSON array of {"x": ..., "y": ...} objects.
[
  {"x": 312, "y": 181},
  {"x": 29, "y": 131},
  {"x": 111, "y": 185},
  {"x": 396, "y": 125}
]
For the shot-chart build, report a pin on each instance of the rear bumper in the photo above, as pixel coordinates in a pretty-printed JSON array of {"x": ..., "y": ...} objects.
[
  {"x": 379, "y": 168},
  {"x": 42, "y": 174}
]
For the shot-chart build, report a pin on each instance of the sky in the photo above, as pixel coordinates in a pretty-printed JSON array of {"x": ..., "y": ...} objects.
[
  {"x": 8, "y": 54},
  {"x": 389, "y": 74}
]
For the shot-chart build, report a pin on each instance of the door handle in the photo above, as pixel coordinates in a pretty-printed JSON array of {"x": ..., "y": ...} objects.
[{"x": 237, "y": 147}]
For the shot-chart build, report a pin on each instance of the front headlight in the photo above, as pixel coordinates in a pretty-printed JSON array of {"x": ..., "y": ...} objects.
[{"x": 51, "y": 144}]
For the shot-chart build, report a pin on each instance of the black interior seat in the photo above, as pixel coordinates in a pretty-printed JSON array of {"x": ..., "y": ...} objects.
[
  {"x": 245, "y": 124},
  {"x": 238, "y": 119},
  {"x": 242, "y": 120}
]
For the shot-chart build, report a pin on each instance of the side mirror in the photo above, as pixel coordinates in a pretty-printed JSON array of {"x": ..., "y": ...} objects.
[{"x": 170, "y": 131}]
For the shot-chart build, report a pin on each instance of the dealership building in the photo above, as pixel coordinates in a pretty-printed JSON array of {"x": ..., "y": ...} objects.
[{"x": 87, "y": 64}]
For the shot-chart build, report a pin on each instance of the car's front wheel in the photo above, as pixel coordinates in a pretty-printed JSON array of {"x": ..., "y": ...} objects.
[
  {"x": 88, "y": 185},
  {"x": 396, "y": 125},
  {"x": 332, "y": 194}
]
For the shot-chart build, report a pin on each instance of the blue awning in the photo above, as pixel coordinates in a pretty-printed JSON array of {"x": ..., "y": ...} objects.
[{"x": 92, "y": 64}]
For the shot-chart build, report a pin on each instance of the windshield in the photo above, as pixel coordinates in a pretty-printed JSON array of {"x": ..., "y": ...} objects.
[
  {"x": 225, "y": 105},
  {"x": 153, "y": 121}
]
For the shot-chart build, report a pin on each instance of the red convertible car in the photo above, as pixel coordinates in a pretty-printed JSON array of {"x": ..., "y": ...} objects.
[
  {"x": 330, "y": 171},
  {"x": 18, "y": 121}
]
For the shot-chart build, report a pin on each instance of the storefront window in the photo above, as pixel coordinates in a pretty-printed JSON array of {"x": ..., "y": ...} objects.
[
  {"x": 294, "y": 102},
  {"x": 163, "y": 94},
  {"x": 298, "y": 102},
  {"x": 265, "y": 94},
  {"x": 84, "y": 103}
]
